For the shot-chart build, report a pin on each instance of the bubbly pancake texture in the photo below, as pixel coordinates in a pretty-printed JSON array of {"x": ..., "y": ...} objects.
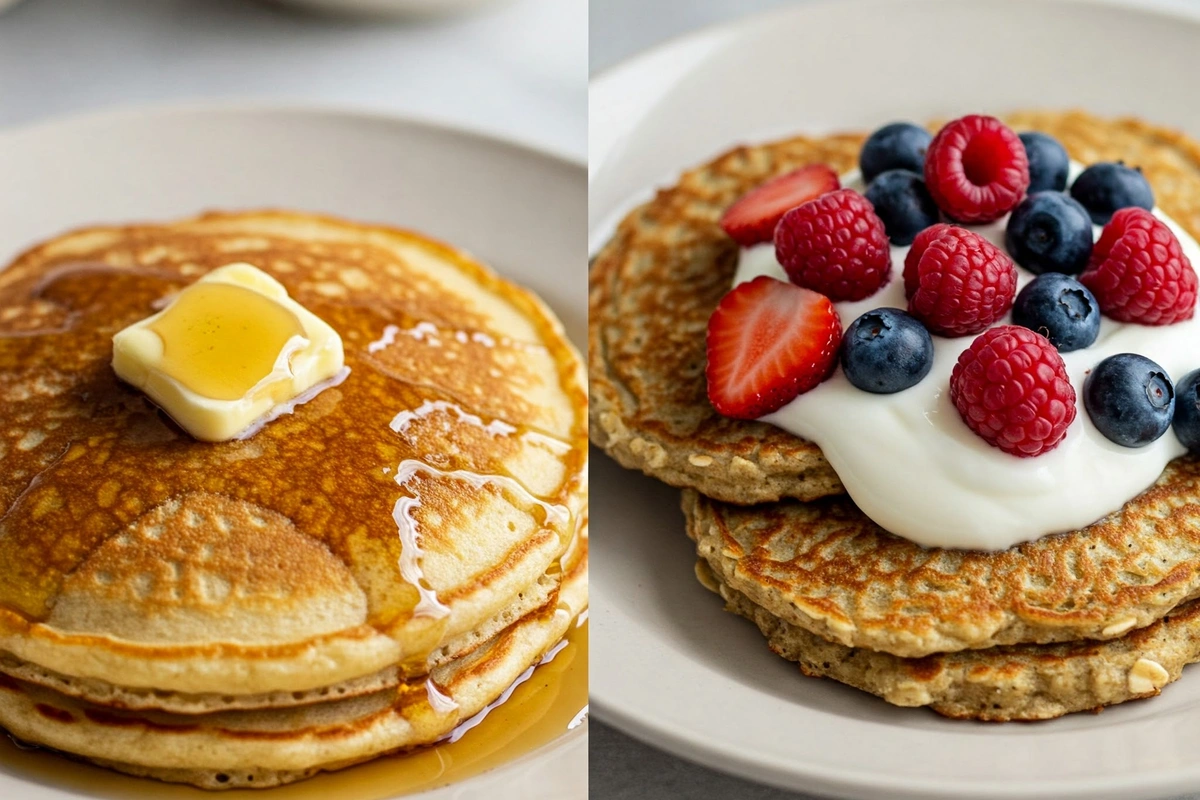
[
  {"x": 999, "y": 684},
  {"x": 656, "y": 282},
  {"x": 395, "y": 513},
  {"x": 263, "y": 748},
  {"x": 825, "y": 567}
]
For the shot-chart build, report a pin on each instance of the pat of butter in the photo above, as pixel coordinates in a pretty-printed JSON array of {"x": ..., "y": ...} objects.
[{"x": 227, "y": 351}]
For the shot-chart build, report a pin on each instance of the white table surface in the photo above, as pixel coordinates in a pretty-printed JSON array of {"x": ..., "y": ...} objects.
[
  {"x": 517, "y": 69},
  {"x": 623, "y": 768}
]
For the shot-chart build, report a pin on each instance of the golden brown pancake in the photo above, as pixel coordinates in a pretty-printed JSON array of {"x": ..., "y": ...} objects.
[
  {"x": 827, "y": 568},
  {"x": 398, "y": 525},
  {"x": 1047, "y": 627},
  {"x": 656, "y": 282},
  {"x": 263, "y": 748},
  {"x": 999, "y": 684}
]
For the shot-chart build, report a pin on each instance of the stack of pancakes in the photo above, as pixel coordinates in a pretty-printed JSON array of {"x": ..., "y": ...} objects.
[
  {"x": 1073, "y": 621},
  {"x": 359, "y": 577}
]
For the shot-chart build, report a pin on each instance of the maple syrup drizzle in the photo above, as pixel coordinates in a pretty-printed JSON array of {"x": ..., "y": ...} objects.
[
  {"x": 290, "y": 406},
  {"x": 410, "y": 537},
  {"x": 536, "y": 713},
  {"x": 404, "y": 419},
  {"x": 472, "y": 722},
  {"x": 225, "y": 341},
  {"x": 497, "y": 427},
  {"x": 439, "y": 701}
]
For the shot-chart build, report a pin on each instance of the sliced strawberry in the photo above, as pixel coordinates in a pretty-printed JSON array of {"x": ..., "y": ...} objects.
[
  {"x": 753, "y": 217},
  {"x": 769, "y": 341}
]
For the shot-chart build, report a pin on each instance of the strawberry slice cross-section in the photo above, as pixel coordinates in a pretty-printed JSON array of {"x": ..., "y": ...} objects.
[
  {"x": 769, "y": 341},
  {"x": 752, "y": 219}
]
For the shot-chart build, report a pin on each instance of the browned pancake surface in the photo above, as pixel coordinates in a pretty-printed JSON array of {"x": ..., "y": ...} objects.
[{"x": 119, "y": 532}]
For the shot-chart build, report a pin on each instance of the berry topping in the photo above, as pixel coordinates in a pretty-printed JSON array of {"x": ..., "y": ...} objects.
[
  {"x": 886, "y": 351},
  {"x": 1105, "y": 188},
  {"x": 1130, "y": 399},
  {"x": 976, "y": 169},
  {"x": 900, "y": 145},
  {"x": 961, "y": 282},
  {"x": 920, "y": 243},
  {"x": 1049, "y": 232},
  {"x": 1060, "y": 308},
  {"x": 835, "y": 245},
  {"x": 1187, "y": 411},
  {"x": 1011, "y": 388},
  {"x": 752, "y": 219},
  {"x": 1048, "y": 162},
  {"x": 903, "y": 203},
  {"x": 1139, "y": 273},
  {"x": 769, "y": 341}
]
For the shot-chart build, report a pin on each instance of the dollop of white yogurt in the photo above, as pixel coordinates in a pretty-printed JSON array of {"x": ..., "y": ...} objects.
[{"x": 915, "y": 468}]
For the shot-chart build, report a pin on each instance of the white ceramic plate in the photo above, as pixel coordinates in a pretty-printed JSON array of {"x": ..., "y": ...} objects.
[
  {"x": 389, "y": 8},
  {"x": 517, "y": 209},
  {"x": 671, "y": 667}
]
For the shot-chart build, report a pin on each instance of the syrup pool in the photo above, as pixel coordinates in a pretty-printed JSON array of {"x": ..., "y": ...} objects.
[{"x": 550, "y": 704}]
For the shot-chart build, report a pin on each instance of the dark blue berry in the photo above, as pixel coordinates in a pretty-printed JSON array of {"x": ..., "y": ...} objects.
[
  {"x": 1187, "y": 410},
  {"x": 1048, "y": 162},
  {"x": 903, "y": 203},
  {"x": 900, "y": 145},
  {"x": 1060, "y": 308},
  {"x": 1105, "y": 188},
  {"x": 1049, "y": 232},
  {"x": 886, "y": 351},
  {"x": 1130, "y": 399}
]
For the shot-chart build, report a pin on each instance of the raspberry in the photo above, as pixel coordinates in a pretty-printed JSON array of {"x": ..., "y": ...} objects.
[
  {"x": 1139, "y": 273},
  {"x": 919, "y": 244},
  {"x": 835, "y": 245},
  {"x": 1011, "y": 387},
  {"x": 962, "y": 283},
  {"x": 976, "y": 169}
]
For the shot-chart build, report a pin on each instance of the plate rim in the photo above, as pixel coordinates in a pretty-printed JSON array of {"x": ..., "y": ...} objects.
[
  {"x": 602, "y": 80},
  {"x": 475, "y": 136},
  {"x": 731, "y": 758},
  {"x": 129, "y": 112}
]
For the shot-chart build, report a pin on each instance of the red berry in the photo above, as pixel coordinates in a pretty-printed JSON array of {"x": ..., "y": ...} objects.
[
  {"x": 1011, "y": 388},
  {"x": 768, "y": 341},
  {"x": 915, "y": 252},
  {"x": 752, "y": 219},
  {"x": 1139, "y": 273},
  {"x": 835, "y": 245},
  {"x": 963, "y": 283},
  {"x": 976, "y": 169}
]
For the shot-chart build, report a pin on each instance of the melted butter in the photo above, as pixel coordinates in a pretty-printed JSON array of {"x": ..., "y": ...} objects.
[
  {"x": 221, "y": 340},
  {"x": 539, "y": 710}
]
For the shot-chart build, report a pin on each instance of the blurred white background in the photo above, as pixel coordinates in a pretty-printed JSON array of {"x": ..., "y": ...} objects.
[{"x": 517, "y": 68}]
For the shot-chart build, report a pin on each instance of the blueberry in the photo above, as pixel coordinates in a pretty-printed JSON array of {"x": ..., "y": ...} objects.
[
  {"x": 1048, "y": 162},
  {"x": 1061, "y": 309},
  {"x": 886, "y": 351},
  {"x": 1187, "y": 410},
  {"x": 900, "y": 145},
  {"x": 903, "y": 203},
  {"x": 1049, "y": 232},
  {"x": 1105, "y": 188},
  {"x": 1130, "y": 399}
]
